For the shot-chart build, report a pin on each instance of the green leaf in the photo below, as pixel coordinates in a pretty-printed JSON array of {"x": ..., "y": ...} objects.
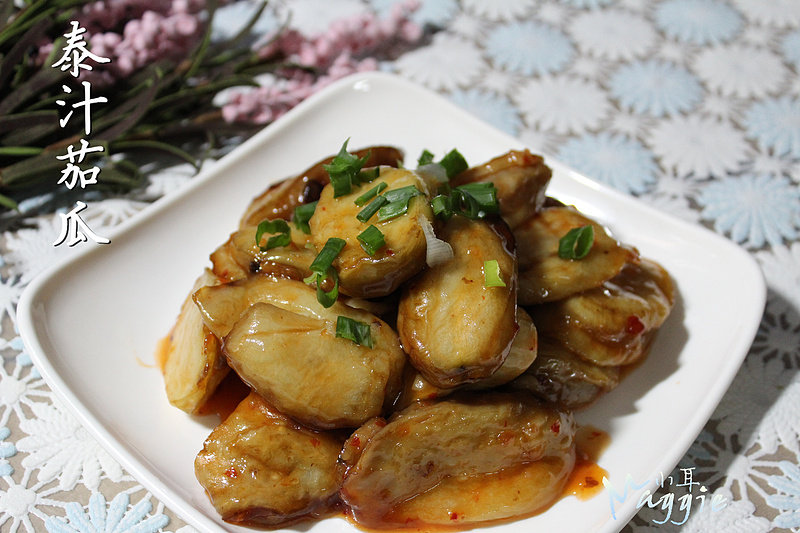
[
  {"x": 278, "y": 226},
  {"x": 371, "y": 240},
  {"x": 354, "y": 330},
  {"x": 576, "y": 243}
]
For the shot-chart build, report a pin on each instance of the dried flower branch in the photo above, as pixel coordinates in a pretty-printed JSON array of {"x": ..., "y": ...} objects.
[{"x": 163, "y": 81}]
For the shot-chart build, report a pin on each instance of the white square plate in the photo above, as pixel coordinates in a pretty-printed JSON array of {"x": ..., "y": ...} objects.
[{"x": 92, "y": 321}]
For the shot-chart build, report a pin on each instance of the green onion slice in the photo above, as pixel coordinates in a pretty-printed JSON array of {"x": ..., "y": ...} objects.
[
  {"x": 302, "y": 214},
  {"x": 358, "y": 332},
  {"x": 442, "y": 206},
  {"x": 403, "y": 194},
  {"x": 371, "y": 240},
  {"x": 425, "y": 158},
  {"x": 322, "y": 268},
  {"x": 366, "y": 176},
  {"x": 344, "y": 170},
  {"x": 370, "y": 194},
  {"x": 491, "y": 274},
  {"x": 280, "y": 227},
  {"x": 393, "y": 210},
  {"x": 576, "y": 243},
  {"x": 454, "y": 163},
  {"x": 371, "y": 208}
]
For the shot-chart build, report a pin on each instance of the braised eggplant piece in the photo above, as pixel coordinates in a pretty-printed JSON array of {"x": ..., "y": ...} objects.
[
  {"x": 295, "y": 360},
  {"x": 262, "y": 469},
  {"x": 561, "y": 377},
  {"x": 455, "y": 329},
  {"x": 476, "y": 437},
  {"x": 369, "y": 276},
  {"x": 520, "y": 178},
  {"x": 522, "y": 353},
  {"x": 614, "y": 323},
  {"x": 193, "y": 364},
  {"x": 544, "y": 276},
  {"x": 240, "y": 256},
  {"x": 281, "y": 199}
]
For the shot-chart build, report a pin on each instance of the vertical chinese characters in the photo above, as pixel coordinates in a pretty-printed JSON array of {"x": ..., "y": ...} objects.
[{"x": 77, "y": 172}]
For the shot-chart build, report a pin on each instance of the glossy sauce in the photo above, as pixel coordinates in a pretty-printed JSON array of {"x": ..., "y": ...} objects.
[
  {"x": 586, "y": 479},
  {"x": 228, "y": 395}
]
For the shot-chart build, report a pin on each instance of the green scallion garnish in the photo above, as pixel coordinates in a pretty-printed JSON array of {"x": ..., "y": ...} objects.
[
  {"x": 371, "y": 240},
  {"x": 279, "y": 227},
  {"x": 393, "y": 210},
  {"x": 576, "y": 243},
  {"x": 370, "y": 194},
  {"x": 302, "y": 214},
  {"x": 425, "y": 158},
  {"x": 403, "y": 194},
  {"x": 491, "y": 274},
  {"x": 322, "y": 269},
  {"x": 454, "y": 163},
  {"x": 473, "y": 200},
  {"x": 344, "y": 170},
  {"x": 358, "y": 332},
  {"x": 371, "y": 208}
]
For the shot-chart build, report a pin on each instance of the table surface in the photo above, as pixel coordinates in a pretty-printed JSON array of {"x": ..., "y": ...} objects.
[{"x": 691, "y": 105}]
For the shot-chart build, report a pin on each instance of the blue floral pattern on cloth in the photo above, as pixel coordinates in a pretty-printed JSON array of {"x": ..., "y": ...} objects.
[
  {"x": 698, "y": 21},
  {"x": 529, "y": 48},
  {"x": 788, "y": 498},
  {"x": 775, "y": 124},
  {"x": 656, "y": 87},
  {"x": 490, "y": 107},
  {"x": 753, "y": 210},
  {"x": 616, "y": 160},
  {"x": 116, "y": 517}
]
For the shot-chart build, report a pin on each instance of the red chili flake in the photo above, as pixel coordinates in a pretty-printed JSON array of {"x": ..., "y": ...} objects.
[
  {"x": 590, "y": 482},
  {"x": 355, "y": 442},
  {"x": 389, "y": 252},
  {"x": 556, "y": 427},
  {"x": 315, "y": 442},
  {"x": 232, "y": 473},
  {"x": 634, "y": 325},
  {"x": 453, "y": 516}
]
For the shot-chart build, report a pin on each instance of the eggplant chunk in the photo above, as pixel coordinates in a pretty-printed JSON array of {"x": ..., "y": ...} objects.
[
  {"x": 281, "y": 199},
  {"x": 544, "y": 276},
  {"x": 522, "y": 353},
  {"x": 562, "y": 377},
  {"x": 435, "y": 444},
  {"x": 362, "y": 275},
  {"x": 614, "y": 323},
  {"x": 295, "y": 361},
  {"x": 240, "y": 256},
  {"x": 520, "y": 178},
  {"x": 454, "y": 328},
  {"x": 193, "y": 364},
  {"x": 261, "y": 469}
]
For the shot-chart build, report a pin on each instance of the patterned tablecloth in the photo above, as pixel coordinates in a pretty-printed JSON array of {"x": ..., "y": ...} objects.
[{"x": 691, "y": 105}]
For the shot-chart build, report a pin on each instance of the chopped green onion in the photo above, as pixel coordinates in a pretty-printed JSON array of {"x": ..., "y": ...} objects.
[
  {"x": 302, "y": 214},
  {"x": 366, "y": 176},
  {"x": 491, "y": 274},
  {"x": 358, "y": 332},
  {"x": 576, "y": 243},
  {"x": 425, "y": 158},
  {"x": 371, "y": 208},
  {"x": 370, "y": 194},
  {"x": 403, "y": 194},
  {"x": 484, "y": 195},
  {"x": 371, "y": 240},
  {"x": 278, "y": 226},
  {"x": 322, "y": 268},
  {"x": 344, "y": 170},
  {"x": 454, "y": 163},
  {"x": 393, "y": 210},
  {"x": 473, "y": 200},
  {"x": 442, "y": 206}
]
